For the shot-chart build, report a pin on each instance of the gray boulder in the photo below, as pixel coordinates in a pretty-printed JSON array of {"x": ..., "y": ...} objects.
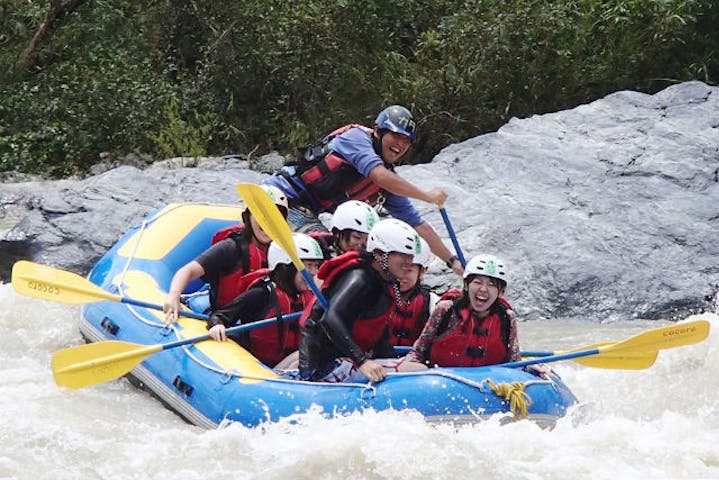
[
  {"x": 71, "y": 223},
  {"x": 608, "y": 211}
]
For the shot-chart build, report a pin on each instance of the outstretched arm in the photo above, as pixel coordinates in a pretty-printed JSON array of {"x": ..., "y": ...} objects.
[{"x": 393, "y": 183}]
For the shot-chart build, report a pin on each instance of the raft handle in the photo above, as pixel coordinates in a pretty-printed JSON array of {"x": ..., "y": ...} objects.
[
  {"x": 182, "y": 386},
  {"x": 109, "y": 326}
]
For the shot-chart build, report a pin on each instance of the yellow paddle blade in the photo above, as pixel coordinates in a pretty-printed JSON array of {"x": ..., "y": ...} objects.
[
  {"x": 671, "y": 336},
  {"x": 270, "y": 219},
  {"x": 625, "y": 360},
  {"x": 86, "y": 365},
  {"x": 47, "y": 283}
]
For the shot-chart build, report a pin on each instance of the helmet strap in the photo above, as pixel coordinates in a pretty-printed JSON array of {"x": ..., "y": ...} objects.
[
  {"x": 397, "y": 293},
  {"x": 384, "y": 263},
  {"x": 394, "y": 281}
]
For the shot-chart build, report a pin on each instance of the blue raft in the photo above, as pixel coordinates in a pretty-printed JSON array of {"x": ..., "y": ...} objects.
[{"x": 211, "y": 383}]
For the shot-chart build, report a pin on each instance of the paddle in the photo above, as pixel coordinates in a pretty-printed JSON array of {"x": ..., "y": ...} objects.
[
  {"x": 86, "y": 365},
  {"x": 273, "y": 223},
  {"x": 48, "y": 283},
  {"x": 671, "y": 336},
  {"x": 636, "y": 360},
  {"x": 89, "y": 364},
  {"x": 648, "y": 342},
  {"x": 93, "y": 363},
  {"x": 630, "y": 360},
  {"x": 452, "y": 235}
]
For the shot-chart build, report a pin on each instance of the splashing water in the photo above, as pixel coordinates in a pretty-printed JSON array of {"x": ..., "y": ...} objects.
[{"x": 655, "y": 423}]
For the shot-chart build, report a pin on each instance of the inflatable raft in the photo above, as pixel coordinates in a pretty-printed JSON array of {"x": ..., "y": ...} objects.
[{"x": 211, "y": 383}]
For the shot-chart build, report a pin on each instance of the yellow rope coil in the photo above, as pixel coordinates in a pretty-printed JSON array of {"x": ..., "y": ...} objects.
[{"x": 519, "y": 400}]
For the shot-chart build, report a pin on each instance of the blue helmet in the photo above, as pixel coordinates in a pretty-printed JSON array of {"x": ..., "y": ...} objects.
[{"x": 398, "y": 119}]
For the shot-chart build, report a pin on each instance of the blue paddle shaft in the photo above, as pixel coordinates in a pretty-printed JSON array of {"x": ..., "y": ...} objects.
[
  {"x": 404, "y": 350},
  {"x": 552, "y": 358},
  {"x": 234, "y": 330},
  {"x": 154, "y": 306},
  {"x": 311, "y": 282},
  {"x": 544, "y": 357},
  {"x": 536, "y": 353},
  {"x": 452, "y": 236}
]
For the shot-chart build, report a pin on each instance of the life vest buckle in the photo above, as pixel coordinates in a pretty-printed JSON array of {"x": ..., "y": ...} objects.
[
  {"x": 400, "y": 332},
  {"x": 475, "y": 352}
]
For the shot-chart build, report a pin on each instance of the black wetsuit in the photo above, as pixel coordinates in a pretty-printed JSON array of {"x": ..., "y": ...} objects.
[{"x": 355, "y": 294}]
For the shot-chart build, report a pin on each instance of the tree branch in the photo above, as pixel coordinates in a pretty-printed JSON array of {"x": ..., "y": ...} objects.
[{"x": 57, "y": 12}]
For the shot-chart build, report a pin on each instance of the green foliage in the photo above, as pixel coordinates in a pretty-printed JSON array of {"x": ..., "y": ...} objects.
[
  {"x": 94, "y": 89},
  {"x": 489, "y": 61},
  {"x": 186, "y": 138},
  {"x": 171, "y": 77}
]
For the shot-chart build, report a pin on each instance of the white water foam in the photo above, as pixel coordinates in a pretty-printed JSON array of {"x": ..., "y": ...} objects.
[{"x": 655, "y": 423}]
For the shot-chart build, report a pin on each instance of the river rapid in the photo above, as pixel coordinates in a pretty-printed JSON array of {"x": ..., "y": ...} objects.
[{"x": 658, "y": 423}]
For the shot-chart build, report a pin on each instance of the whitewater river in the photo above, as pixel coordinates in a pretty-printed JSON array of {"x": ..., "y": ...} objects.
[{"x": 658, "y": 423}]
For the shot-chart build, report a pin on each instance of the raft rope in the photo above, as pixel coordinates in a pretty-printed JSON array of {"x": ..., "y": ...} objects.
[
  {"x": 519, "y": 400},
  {"x": 125, "y": 269},
  {"x": 131, "y": 257}
]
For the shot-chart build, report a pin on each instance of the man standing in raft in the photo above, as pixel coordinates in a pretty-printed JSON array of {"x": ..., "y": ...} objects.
[{"x": 356, "y": 162}]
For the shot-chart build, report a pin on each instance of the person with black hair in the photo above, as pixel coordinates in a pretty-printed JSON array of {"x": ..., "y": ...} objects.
[
  {"x": 274, "y": 291},
  {"x": 350, "y": 226},
  {"x": 472, "y": 328},
  {"x": 350, "y": 340},
  {"x": 357, "y": 162},
  {"x": 235, "y": 252}
]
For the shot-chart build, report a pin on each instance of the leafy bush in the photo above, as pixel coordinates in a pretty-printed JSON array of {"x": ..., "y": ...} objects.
[
  {"x": 180, "y": 137},
  {"x": 171, "y": 77},
  {"x": 96, "y": 91}
]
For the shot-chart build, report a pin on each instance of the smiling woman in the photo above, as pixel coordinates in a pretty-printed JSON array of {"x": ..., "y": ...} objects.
[{"x": 473, "y": 328}]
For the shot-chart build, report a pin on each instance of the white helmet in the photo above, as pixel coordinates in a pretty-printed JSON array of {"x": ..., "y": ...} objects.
[
  {"x": 306, "y": 246},
  {"x": 424, "y": 257},
  {"x": 487, "y": 265},
  {"x": 278, "y": 196},
  {"x": 392, "y": 235},
  {"x": 354, "y": 215}
]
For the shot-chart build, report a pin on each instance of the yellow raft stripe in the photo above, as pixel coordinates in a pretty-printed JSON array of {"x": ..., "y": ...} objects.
[
  {"x": 171, "y": 226},
  {"x": 227, "y": 355}
]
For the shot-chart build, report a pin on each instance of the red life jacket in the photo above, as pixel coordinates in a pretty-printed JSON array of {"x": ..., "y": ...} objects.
[
  {"x": 406, "y": 323},
  {"x": 365, "y": 331},
  {"x": 226, "y": 232},
  {"x": 473, "y": 342},
  {"x": 227, "y": 288},
  {"x": 272, "y": 343},
  {"x": 332, "y": 180},
  {"x": 451, "y": 294}
]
